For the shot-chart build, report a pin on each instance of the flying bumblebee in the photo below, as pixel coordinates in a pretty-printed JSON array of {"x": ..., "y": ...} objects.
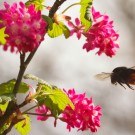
[{"x": 120, "y": 75}]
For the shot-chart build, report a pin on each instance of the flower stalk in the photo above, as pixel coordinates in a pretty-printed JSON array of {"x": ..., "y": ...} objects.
[{"x": 74, "y": 4}]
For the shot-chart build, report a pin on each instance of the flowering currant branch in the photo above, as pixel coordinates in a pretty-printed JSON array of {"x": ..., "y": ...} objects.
[
  {"x": 23, "y": 64},
  {"x": 12, "y": 105},
  {"x": 24, "y": 30}
]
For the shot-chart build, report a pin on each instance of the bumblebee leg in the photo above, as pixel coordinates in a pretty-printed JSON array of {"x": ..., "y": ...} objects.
[
  {"x": 129, "y": 86},
  {"x": 122, "y": 85},
  {"x": 115, "y": 83}
]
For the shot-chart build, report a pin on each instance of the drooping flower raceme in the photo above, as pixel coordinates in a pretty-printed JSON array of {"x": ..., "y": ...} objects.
[
  {"x": 84, "y": 116},
  {"x": 24, "y": 26},
  {"x": 101, "y": 35}
]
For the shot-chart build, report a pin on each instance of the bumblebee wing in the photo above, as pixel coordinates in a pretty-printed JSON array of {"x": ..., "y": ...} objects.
[
  {"x": 132, "y": 79},
  {"x": 103, "y": 76}
]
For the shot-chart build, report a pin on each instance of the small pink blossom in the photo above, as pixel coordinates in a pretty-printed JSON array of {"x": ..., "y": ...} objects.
[
  {"x": 42, "y": 110},
  {"x": 84, "y": 116},
  {"x": 101, "y": 35},
  {"x": 77, "y": 28},
  {"x": 24, "y": 26}
]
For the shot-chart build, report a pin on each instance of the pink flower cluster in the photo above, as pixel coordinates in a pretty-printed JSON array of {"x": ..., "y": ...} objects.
[
  {"x": 24, "y": 26},
  {"x": 84, "y": 116},
  {"x": 101, "y": 35},
  {"x": 43, "y": 110}
]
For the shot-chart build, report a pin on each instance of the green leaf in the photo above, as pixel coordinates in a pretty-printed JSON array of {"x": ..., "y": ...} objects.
[
  {"x": 2, "y": 36},
  {"x": 3, "y": 107},
  {"x": 84, "y": 12},
  {"x": 55, "y": 31},
  {"x": 23, "y": 127},
  {"x": 58, "y": 29},
  {"x": 7, "y": 88},
  {"x": 4, "y": 128},
  {"x": 65, "y": 29},
  {"x": 7, "y": 124},
  {"x": 88, "y": 12},
  {"x": 37, "y": 3},
  {"x": 54, "y": 98},
  {"x": 48, "y": 20},
  {"x": 33, "y": 77},
  {"x": 6, "y": 98}
]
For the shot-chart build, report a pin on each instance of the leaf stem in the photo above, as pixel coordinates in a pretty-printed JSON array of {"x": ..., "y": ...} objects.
[
  {"x": 29, "y": 109},
  {"x": 45, "y": 6},
  {"x": 74, "y": 4}
]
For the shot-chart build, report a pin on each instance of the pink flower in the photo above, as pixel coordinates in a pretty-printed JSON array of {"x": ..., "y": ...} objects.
[
  {"x": 77, "y": 28},
  {"x": 84, "y": 116},
  {"x": 24, "y": 26},
  {"x": 101, "y": 35},
  {"x": 42, "y": 110}
]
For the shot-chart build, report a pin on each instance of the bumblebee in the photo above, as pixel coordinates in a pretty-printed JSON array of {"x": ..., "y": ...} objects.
[{"x": 120, "y": 75}]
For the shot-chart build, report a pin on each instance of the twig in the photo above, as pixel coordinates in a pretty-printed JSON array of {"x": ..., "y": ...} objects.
[
  {"x": 55, "y": 7},
  {"x": 23, "y": 67},
  {"x": 9, "y": 129},
  {"x": 12, "y": 105},
  {"x": 40, "y": 114}
]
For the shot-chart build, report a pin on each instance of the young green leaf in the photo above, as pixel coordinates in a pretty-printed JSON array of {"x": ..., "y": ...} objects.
[
  {"x": 23, "y": 127},
  {"x": 3, "y": 106},
  {"x": 83, "y": 16},
  {"x": 58, "y": 29},
  {"x": 37, "y": 3},
  {"x": 48, "y": 20},
  {"x": 4, "y": 128},
  {"x": 56, "y": 100},
  {"x": 33, "y": 77},
  {"x": 2, "y": 36},
  {"x": 6, "y": 98},
  {"x": 7, "y": 87},
  {"x": 55, "y": 31},
  {"x": 65, "y": 30},
  {"x": 88, "y": 12}
]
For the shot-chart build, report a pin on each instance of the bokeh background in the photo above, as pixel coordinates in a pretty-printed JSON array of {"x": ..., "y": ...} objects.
[{"x": 64, "y": 63}]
